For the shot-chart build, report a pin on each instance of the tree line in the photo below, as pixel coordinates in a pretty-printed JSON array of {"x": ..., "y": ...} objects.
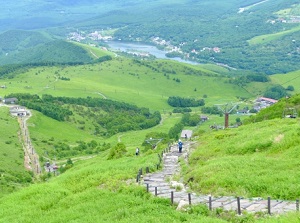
[{"x": 176, "y": 101}]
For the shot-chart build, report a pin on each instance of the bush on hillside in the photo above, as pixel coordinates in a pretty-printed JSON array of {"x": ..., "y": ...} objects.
[
  {"x": 117, "y": 151},
  {"x": 185, "y": 102},
  {"x": 276, "y": 92}
]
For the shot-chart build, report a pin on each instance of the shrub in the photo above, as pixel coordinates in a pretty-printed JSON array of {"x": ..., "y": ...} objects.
[{"x": 118, "y": 151}]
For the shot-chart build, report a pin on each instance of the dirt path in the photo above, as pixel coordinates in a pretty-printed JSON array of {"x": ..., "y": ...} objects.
[
  {"x": 31, "y": 158},
  {"x": 94, "y": 54}
]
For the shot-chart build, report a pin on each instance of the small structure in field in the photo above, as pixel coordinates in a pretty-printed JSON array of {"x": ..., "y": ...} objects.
[
  {"x": 10, "y": 100},
  {"x": 187, "y": 134},
  {"x": 18, "y": 111}
]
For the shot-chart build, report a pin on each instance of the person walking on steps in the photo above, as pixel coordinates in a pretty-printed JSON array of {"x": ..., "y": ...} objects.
[{"x": 180, "y": 145}]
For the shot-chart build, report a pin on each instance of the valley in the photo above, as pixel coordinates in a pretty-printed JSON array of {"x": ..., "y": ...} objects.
[{"x": 102, "y": 80}]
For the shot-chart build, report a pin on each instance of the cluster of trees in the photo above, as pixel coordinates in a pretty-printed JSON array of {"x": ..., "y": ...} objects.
[
  {"x": 52, "y": 110},
  {"x": 62, "y": 150},
  {"x": 118, "y": 151},
  {"x": 190, "y": 119},
  {"x": 110, "y": 117},
  {"x": 276, "y": 92},
  {"x": 176, "y": 101},
  {"x": 211, "y": 110},
  {"x": 186, "y": 120},
  {"x": 64, "y": 78},
  {"x": 181, "y": 110},
  {"x": 103, "y": 59}
]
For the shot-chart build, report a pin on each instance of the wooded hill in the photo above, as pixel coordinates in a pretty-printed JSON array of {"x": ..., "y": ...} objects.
[
  {"x": 29, "y": 47},
  {"x": 260, "y": 36},
  {"x": 198, "y": 27}
]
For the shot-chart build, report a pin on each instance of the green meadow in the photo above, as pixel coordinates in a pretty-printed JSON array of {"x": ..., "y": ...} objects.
[
  {"x": 122, "y": 79},
  {"x": 291, "y": 78},
  {"x": 274, "y": 36}
]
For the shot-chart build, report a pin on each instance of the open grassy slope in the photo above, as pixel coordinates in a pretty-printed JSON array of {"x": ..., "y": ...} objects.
[
  {"x": 94, "y": 191},
  {"x": 292, "y": 78},
  {"x": 227, "y": 162},
  {"x": 147, "y": 85},
  {"x": 234, "y": 162},
  {"x": 274, "y": 36},
  {"x": 13, "y": 175}
]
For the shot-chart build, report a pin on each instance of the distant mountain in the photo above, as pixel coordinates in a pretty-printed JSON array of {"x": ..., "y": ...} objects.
[
  {"x": 19, "y": 46},
  {"x": 17, "y": 40}
]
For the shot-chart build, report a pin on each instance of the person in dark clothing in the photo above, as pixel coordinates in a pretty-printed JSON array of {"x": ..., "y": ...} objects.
[{"x": 180, "y": 145}]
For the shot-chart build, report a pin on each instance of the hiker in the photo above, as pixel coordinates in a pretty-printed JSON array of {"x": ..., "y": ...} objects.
[
  {"x": 137, "y": 151},
  {"x": 180, "y": 145}
]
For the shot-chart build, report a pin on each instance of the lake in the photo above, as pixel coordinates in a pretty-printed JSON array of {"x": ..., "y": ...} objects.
[{"x": 141, "y": 47}]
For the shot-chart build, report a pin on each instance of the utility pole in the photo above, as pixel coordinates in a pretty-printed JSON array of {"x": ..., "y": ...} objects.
[{"x": 226, "y": 109}]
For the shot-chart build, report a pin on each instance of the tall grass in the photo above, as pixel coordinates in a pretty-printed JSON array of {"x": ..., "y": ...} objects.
[
  {"x": 94, "y": 191},
  {"x": 257, "y": 160}
]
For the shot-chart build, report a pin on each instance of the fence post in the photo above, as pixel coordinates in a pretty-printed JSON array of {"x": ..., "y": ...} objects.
[
  {"x": 269, "y": 205},
  {"x": 190, "y": 199},
  {"x": 137, "y": 178},
  {"x": 141, "y": 171},
  {"x": 159, "y": 157},
  {"x": 147, "y": 169},
  {"x": 172, "y": 197},
  {"x": 147, "y": 187},
  {"x": 297, "y": 205},
  {"x": 239, "y": 205},
  {"x": 210, "y": 203},
  {"x": 155, "y": 191}
]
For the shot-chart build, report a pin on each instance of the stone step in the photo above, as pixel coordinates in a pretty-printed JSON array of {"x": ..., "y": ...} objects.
[{"x": 170, "y": 166}]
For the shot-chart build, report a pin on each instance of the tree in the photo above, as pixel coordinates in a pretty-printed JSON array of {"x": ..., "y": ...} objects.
[{"x": 290, "y": 88}]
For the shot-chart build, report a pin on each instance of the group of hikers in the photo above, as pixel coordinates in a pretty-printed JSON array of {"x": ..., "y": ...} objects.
[{"x": 180, "y": 145}]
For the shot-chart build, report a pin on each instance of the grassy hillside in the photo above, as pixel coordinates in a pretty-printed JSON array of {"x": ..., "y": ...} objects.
[
  {"x": 94, "y": 191},
  {"x": 23, "y": 47},
  {"x": 13, "y": 175},
  {"x": 147, "y": 84},
  {"x": 234, "y": 162},
  {"x": 270, "y": 37},
  {"x": 229, "y": 162},
  {"x": 292, "y": 78}
]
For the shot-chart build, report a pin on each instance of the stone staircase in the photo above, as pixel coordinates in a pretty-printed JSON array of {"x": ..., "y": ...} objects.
[{"x": 162, "y": 184}]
